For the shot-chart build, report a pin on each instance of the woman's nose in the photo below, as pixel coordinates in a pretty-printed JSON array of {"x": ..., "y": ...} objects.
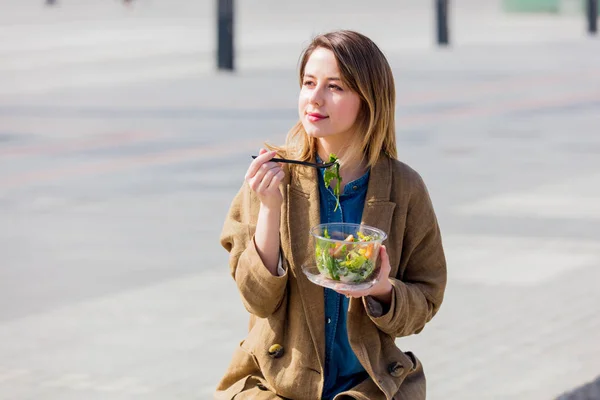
[{"x": 316, "y": 96}]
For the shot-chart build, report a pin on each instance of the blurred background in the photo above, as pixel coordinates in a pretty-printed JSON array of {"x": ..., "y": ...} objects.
[{"x": 122, "y": 145}]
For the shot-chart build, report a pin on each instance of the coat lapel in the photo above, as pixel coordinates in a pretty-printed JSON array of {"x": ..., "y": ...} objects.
[
  {"x": 378, "y": 212},
  {"x": 378, "y": 208},
  {"x": 302, "y": 214}
]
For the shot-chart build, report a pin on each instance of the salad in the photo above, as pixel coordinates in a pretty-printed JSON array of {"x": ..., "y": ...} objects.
[
  {"x": 332, "y": 173},
  {"x": 350, "y": 261}
]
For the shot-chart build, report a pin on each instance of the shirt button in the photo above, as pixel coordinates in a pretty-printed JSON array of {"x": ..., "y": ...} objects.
[
  {"x": 354, "y": 187},
  {"x": 328, "y": 320}
]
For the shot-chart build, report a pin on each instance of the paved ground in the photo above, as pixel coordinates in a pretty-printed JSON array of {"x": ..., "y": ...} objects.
[
  {"x": 590, "y": 390},
  {"x": 117, "y": 167},
  {"x": 88, "y": 43}
]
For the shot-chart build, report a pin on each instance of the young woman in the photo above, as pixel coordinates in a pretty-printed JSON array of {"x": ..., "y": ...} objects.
[{"x": 310, "y": 342}]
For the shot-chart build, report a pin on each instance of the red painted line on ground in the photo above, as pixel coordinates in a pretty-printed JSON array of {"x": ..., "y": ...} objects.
[
  {"x": 225, "y": 149},
  {"x": 174, "y": 156},
  {"x": 487, "y": 88},
  {"x": 96, "y": 142},
  {"x": 167, "y": 157},
  {"x": 493, "y": 87},
  {"x": 497, "y": 109}
]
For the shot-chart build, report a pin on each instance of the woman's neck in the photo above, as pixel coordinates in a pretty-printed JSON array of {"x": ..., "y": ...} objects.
[{"x": 350, "y": 170}]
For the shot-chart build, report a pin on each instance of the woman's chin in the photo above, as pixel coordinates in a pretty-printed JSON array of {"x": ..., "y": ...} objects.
[{"x": 317, "y": 134}]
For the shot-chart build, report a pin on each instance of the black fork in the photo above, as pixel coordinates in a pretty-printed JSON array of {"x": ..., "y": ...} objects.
[{"x": 309, "y": 164}]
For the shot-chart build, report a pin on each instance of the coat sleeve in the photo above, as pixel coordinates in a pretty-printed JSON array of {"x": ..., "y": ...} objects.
[
  {"x": 419, "y": 285},
  {"x": 261, "y": 291}
]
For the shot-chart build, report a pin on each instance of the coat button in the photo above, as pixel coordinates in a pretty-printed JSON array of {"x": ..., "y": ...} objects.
[
  {"x": 276, "y": 351},
  {"x": 395, "y": 369}
]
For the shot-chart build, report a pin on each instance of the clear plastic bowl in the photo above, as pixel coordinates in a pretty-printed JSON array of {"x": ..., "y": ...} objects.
[{"x": 345, "y": 255}]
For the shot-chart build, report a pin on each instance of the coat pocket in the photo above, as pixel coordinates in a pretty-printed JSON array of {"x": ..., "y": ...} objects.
[
  {"x": 288, "y": 368},
  {"x": 394, "y": 366},
  {"x": 255, "y": 389},
  {"x": 414, "y": 360},
  {"x": 414, "y": 385},
  {"x": 243, "y": 365}
]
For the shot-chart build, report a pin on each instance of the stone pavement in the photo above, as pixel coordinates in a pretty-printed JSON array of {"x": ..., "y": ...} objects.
[
  {"x": 114, "y": 186},
  {"x": 590, "y": 390}
]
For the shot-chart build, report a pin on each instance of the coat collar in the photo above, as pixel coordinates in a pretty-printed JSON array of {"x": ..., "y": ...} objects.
[{"x": 303, "y": 213}]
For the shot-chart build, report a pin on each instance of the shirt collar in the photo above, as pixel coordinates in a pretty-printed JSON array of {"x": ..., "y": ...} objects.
[{"x": 355, "y": 186}]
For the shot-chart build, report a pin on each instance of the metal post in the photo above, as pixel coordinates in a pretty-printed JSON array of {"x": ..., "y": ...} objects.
[
  {"x": 592, "y": 14},
  {"x": 225, "y": 34},
  {"x": 441, "y": 10}
]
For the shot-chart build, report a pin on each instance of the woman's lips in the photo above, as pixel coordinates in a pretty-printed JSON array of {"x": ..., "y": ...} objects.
[{"x": 315, "y": 117}]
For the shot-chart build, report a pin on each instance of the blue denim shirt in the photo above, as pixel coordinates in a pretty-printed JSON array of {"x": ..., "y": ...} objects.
[{"x": 342, "y": 368}]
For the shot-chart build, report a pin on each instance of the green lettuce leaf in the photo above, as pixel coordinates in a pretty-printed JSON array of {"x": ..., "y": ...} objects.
[{"x": 331, "y": 173}]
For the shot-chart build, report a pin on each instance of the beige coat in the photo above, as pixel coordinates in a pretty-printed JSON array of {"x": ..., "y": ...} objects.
[{"x": 289, "y": 310}]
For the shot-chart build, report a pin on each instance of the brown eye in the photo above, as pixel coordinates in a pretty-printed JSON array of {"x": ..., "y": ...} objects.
[{"x": 308, "y": 83}]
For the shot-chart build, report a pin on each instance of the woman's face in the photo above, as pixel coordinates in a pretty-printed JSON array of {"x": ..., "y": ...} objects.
[{"x": 326, "y": 106}]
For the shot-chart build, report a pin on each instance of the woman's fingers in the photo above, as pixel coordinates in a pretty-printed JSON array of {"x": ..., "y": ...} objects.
[
  {"x": 262, "y": 178},
  {"x": 263, "y": 157},
  {"x": 384, "y": 273},
  {"x": 382, "y": 278},
  {"x": 268, "y": 176},
  {"x": 277, "y": 180}
]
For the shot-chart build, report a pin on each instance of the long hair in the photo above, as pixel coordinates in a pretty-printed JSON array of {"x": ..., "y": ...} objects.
[{"x": 366, "y": 71}]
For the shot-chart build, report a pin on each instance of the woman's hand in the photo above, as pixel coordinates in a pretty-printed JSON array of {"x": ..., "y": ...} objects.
[
  {"x": 263, "y": 177},
  {"x": 382, "y": 289}
]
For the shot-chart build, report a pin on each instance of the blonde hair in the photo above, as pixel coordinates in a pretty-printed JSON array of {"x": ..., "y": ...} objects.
[{"x": 366, "y": 71}]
